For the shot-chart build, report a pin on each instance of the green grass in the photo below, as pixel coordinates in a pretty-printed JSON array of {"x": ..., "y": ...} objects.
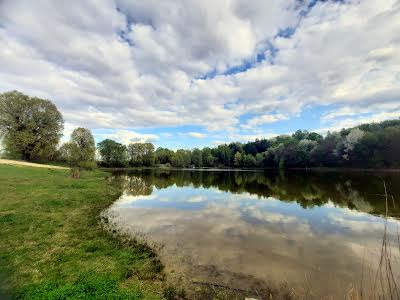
[{"x": 52, "y": 245}]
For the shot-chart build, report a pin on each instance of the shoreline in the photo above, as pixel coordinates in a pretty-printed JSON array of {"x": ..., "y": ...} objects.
[
  {"x": 313, "y": 169},
  {"x": 55, "y": 243}
]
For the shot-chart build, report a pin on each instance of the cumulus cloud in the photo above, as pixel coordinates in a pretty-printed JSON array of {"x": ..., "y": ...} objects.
[
  {"x": 264, "y": 119},
  {"x": 123, "y": 64},
  {"x": 197, "y": 135},
  {"x": 244, "y": 136},
  {"x": 352, "y": 120},
  {"x": 128, "y": 136}
]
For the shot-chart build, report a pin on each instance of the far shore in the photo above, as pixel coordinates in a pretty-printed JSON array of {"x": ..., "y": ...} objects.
[{"x": 214, "y": 169}]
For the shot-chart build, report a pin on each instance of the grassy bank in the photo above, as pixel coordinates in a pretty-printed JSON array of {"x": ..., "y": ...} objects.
[{"x": 53, "y": 247}]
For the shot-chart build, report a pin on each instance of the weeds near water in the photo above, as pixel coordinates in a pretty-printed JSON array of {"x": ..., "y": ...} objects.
[
  {"x": 383, "y": 280},
  {"x": 385, "y": 283}
]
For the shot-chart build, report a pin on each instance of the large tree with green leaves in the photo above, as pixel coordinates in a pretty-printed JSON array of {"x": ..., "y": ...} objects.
[
  {"x": 141, "y": 154},
  {"x": 181, "y": 158},
  {"x": 31, "y": 127},
  {"x": 197, "y": 158},
  {"x": 163, "y": 155},
  {"x": 112, "y": 154},
  {"x": 81, "y": 150},
  {"x": 83, "y": 139}
]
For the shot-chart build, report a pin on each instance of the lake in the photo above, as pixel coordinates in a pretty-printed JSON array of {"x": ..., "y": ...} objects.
[{"x": 254, "y": 233}]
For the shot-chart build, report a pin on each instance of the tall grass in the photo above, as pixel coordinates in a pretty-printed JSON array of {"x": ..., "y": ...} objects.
[{"x": 384, "y": 279}]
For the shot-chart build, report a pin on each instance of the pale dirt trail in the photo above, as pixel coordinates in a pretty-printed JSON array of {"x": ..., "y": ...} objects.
[{"x": 24, "y": 163}]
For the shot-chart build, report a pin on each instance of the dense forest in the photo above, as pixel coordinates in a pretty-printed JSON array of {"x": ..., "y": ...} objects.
[
  {"x": 374, "y": 145},
  {"x": 31, "y": 129}
]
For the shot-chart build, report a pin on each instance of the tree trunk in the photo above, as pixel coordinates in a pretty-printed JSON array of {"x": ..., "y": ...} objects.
[{"x": 76, "y": 173}]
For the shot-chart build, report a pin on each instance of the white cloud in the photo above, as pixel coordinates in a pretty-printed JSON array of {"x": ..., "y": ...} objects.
[
  {"x": 391, "y": 110},
  {"x": 197, "y": 135},
  {"x": 133, "y": 64},
  {"x": 128, "y": 136},
  {"x": 348, "y": 122},
  {"x": 196, "y": 199},
  {"x": 127, "y": 200},
  {"x": 357, "y": 225},
  {"x": 264, "y": 119},
  {"x": 242, "y": 136}
]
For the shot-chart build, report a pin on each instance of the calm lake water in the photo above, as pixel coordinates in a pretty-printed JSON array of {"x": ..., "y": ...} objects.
[{"x": 310, "y": 234}]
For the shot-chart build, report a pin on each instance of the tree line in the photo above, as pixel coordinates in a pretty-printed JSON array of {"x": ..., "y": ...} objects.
[
  {"x": 31, "y": 129},
  {"x": 375, "y": 145}
]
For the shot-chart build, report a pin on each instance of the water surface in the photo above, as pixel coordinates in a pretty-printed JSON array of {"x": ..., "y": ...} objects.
[{"x": 319, "y": 234}]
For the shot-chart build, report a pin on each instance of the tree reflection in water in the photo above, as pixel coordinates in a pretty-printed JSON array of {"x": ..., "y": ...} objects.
[{"x": 316, "y": 232}]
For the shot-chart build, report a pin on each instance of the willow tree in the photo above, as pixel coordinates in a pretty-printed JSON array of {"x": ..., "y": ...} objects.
[{"x": 30, "y": 127}]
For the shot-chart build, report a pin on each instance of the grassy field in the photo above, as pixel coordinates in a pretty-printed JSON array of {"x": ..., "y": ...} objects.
[{"x": 53, "y": 246}]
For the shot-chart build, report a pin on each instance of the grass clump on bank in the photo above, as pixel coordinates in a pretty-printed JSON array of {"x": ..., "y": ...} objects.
[{"x": 53, "y": 246}]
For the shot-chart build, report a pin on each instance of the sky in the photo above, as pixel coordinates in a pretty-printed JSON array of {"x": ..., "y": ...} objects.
[{"x": 186, "y": 73}]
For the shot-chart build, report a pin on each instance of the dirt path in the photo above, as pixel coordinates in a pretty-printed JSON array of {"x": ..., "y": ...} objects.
[{"x": 24, "y": 163}]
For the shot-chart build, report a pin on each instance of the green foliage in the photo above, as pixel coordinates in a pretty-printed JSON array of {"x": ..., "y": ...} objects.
[
  {"x": 63, "y": 152},
  {"x": 181, "y": 159},
  {"x": 259, "y": 159},
  {"x": 163, "y": 155},
  {"x": 366, "y": 146},
  {"x": 223, "y": 154},
  {"x": 197, "y": 158},
  {"x": 79, "y": 152},
  {"x": 141, "y": 154},
  {"x": 31, "y": 127},
  {"x": 112, "y": 154},
  {"x": 249, "y": 161},
  {"x": 208, "y": 158},
  {"x": 237, "y": 159},
  {"x": 88, "y": 165},
  {"x": 84, "y": 141},
  {"x": 81, "y": 149}
]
